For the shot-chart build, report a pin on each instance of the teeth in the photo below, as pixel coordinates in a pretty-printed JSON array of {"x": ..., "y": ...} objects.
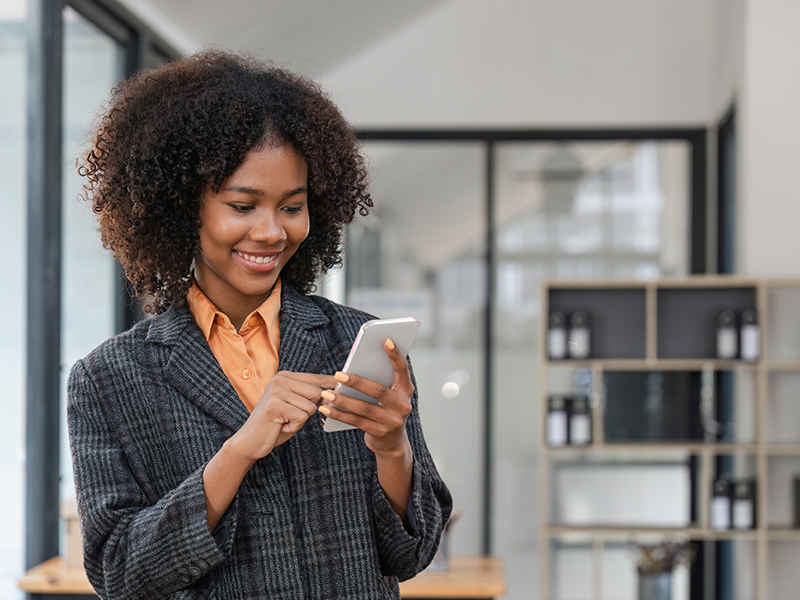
[{"x": 257, "y": 259}]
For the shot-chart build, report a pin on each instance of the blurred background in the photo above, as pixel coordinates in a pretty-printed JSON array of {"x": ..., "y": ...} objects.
[{"x": 509, "y": 143}]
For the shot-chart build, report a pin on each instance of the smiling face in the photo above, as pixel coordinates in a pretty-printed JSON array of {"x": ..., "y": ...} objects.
[{"x": 251, "y": 228}]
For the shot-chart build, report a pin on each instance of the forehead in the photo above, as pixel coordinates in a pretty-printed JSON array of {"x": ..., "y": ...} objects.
[{"x": 271, "y": 165}]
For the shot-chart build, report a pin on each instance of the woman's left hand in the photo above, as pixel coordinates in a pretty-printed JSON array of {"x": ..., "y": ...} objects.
[{"x": 383, "y": 424}]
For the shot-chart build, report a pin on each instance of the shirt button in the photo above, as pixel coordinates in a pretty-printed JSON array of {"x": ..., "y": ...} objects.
[
  {"x": 246, "y": 374},
  {"x": 185, "y": 579},
  {"x": 195, "y": 571},
  {"x": 252, "y": 322}
]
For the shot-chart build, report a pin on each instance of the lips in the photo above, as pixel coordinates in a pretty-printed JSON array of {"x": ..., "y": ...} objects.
[{"x": 258, "y": 259}]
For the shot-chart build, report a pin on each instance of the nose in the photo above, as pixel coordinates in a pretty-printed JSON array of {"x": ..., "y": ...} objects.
[{"x": 268, "y": 228}]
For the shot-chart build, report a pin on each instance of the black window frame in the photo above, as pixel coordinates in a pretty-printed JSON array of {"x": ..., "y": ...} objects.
[{"x": 143, "y": 49}]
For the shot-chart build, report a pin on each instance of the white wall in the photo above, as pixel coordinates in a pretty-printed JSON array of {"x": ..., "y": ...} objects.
[
  {"x": 769, "y": 125},
  {"x": 728, "y": 59},
  {"x": 549, "y": 63},
  {"x": 769, "y": 177}
]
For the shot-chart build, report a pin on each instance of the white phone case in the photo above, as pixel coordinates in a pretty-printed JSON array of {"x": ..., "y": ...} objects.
[{"x": 368, "y": 359}]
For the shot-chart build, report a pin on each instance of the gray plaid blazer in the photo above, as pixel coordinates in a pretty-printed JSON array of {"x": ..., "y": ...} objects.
[{"x": 149, "y": 408}]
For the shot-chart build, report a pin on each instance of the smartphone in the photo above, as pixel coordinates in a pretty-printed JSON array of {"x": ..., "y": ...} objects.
[{"x": 368, "y": 358}]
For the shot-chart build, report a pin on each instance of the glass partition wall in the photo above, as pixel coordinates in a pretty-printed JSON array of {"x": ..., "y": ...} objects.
[
  {"x": 613, "y": 208},
  {"x": 12, "y": 289},
  {"x": 422, "y": 253}
]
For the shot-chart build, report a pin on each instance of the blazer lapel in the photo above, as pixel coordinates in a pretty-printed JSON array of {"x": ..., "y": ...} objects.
[
  {"x": 194, "y": 372},
  {"x": 304, "y": 345}
]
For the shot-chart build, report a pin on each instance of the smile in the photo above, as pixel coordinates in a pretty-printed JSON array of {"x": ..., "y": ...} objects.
[{"x": 260, "y": 260}]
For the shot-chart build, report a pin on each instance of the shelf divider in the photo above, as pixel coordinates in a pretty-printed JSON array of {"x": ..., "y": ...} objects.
[{"x": 651, "y": 312}]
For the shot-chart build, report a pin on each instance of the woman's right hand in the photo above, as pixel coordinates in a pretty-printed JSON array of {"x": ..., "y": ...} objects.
[{"x": 286, "y": 404}]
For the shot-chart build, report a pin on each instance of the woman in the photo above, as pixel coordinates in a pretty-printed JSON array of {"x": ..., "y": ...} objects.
[{"x": 222, "y": 185}]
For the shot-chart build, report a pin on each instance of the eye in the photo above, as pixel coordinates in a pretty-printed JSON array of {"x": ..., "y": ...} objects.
[
  {"x": 293, "y": 208},
  {"x": 241, "y": 208}
]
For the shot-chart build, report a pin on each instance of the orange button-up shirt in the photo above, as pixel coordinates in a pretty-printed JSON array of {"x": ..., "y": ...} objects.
[{"x": 248, "y": 357}]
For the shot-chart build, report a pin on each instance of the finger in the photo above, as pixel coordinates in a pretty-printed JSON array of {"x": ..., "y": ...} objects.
[
  {"x": 290, "y": 418},
  {"x": 283, "y": 396},
  {"x": 282, "y": 423},
  {"x": 397, "y": 398},
  {"x": 376, "y": 419},
  {"x": 306, "y": 387},
  {"x": 402, "y": 375},
  {"x": 325, "y": 382},
  {"x": 353, "y": 405},
  {"x": 350, "y": 418},
  {"x": 371, "y": 388}
]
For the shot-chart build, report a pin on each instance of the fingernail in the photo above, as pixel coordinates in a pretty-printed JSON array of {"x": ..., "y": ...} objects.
[
  {"x": 389, "y": 344},
  {"x": 328, "y": 395},
  {"x": 325, "y": 410},
  {"x": 343, "y": 377}
]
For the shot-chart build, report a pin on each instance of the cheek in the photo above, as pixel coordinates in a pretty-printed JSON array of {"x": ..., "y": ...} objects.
[
  {"x": 217, "y": 232},
  {"x": 301, "y": 230}
]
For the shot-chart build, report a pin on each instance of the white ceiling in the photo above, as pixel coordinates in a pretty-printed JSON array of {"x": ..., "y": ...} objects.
[{"x": 315, "y": 36}]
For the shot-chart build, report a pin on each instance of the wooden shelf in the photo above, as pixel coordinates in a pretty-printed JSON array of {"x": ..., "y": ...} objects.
[
  {"x": 467, "y": 577},
  {"x": 783, "y": 449},
  {"x": 679, "y": 320},
  {"x": 690, "y": 281},
  {"x": 660, "y": 364},
  {"x": 781, "y": 534},
  {"x": 670, "y": 447},
  {"x": 619, "y": 530},
  {"x": 773, "y": 364},
  {"x": 647, "y": 449},
  {"x": 632, "y": 531}
]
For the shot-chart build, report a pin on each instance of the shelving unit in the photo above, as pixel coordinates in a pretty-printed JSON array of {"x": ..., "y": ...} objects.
[{"x": 669, "y": 326}]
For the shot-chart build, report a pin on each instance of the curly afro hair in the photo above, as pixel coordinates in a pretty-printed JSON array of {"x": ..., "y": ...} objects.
[{"x": 170, "y": 134}]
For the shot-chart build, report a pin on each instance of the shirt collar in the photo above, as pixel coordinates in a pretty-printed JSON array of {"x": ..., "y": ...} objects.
[{"x": 205, "y": 313}]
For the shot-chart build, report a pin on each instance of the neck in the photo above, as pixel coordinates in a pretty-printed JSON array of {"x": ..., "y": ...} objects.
[{"x": 237, "y": 308}]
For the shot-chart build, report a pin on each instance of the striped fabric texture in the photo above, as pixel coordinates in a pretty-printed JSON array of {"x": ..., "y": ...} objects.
[{"x": 150, "y": 407}]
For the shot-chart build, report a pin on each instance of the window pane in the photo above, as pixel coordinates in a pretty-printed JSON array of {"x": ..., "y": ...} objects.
[
  {"x": 616, "y": 209},
  {"x": 92, "y": 65},
  {"x": 12, "y": 290},
  {"x": 422, "y": 254}
]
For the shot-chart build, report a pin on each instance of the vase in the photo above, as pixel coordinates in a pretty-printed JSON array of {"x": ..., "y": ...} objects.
[{"x": 655, "y": 586}]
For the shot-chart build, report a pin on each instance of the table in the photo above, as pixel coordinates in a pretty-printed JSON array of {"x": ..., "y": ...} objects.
[
  {"x": 51, "y": 580},
  {"x": 469, "y": 577}
]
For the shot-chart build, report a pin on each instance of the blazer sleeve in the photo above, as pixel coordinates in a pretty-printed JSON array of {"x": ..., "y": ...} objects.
[
  {"x": 134, "y": 547},
  {"x": 403, "y": 554}
]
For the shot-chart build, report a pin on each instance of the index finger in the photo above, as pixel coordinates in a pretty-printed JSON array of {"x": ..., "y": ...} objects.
[
  {"x": 324, "y": 382},
  {"x": 402, "y": 376}
]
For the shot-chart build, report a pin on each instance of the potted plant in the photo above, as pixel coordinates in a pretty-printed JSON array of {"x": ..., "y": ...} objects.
[{"x": 655, "y": 564}]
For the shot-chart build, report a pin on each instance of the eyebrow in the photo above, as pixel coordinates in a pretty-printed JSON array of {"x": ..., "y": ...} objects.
[{"x": 250, "y": 191}]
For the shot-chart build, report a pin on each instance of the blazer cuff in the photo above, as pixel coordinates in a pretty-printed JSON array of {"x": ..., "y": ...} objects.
[{"x": 201, "y": 552}]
